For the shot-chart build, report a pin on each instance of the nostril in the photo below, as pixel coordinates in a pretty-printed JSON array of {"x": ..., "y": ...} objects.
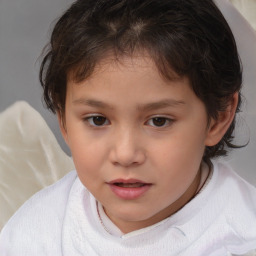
[{"x": 126, "y": 151}]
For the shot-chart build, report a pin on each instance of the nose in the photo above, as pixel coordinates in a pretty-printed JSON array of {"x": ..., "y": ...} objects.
[{"x": 127, "y": 149}]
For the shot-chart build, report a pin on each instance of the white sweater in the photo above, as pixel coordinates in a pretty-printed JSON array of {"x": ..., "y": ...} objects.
[{"x": 63, "y": 220}]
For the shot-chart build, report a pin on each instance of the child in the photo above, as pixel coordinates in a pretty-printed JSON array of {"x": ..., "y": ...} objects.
[{"x": 146, "y": 93}]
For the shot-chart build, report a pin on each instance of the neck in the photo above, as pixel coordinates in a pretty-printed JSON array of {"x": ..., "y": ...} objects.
[{"x": 190, "y": 193}]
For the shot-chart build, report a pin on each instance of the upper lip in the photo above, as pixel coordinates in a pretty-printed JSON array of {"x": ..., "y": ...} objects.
[{"x": 127, "y": 181}]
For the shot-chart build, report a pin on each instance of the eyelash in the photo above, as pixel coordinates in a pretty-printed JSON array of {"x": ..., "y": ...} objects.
[
  {"x": 91, "y": 121},
  {"x": 167, "y": 121}
]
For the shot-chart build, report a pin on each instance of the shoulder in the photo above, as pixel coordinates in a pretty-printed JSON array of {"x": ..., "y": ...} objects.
[
  {"x": 237, "y": 194},
  {"x": 223, "y": 216},
  {"x": 234, "y": 186},
  {"x": 39, "y": 218},
  {"x": 236, "y": 200},
  {"x": 50, "y": 198}
]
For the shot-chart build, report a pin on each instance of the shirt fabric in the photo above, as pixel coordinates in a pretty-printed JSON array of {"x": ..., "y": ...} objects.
[{"x": 65, "y": 219}]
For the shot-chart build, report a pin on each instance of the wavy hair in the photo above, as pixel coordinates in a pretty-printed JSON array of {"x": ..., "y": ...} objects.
[{"x": 183, "y": 37}]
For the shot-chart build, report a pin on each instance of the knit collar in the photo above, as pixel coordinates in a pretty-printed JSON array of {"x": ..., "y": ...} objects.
[{"x": 112, "y": 229}]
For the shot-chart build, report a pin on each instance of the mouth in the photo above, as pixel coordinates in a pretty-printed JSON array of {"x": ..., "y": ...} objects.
[
  {"x": 129, "y": 185},
  {"x": 129, "y": 189}
]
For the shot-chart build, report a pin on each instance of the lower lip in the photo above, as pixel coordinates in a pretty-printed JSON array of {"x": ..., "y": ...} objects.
[{"x": 129, "y": 193}]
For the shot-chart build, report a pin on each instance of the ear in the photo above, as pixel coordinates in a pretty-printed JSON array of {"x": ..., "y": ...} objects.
[
  {"x": 62, "y": 125},
  {"x": 218, "y": 127}
]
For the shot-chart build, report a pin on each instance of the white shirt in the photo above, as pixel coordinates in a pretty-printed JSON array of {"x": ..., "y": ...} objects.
[{"x": 64, "y": 220}]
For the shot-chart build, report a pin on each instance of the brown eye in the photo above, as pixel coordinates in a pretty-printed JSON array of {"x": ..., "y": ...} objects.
[
  {"x": 159, "y": 121},
  {"x": 97, "y": 120}
]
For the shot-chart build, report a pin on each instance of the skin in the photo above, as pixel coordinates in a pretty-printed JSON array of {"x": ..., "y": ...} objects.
[{"x": 128, "y": 142}]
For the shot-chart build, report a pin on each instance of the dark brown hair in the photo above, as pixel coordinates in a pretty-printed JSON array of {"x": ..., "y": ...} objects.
[{"x": 186, "y": 37}]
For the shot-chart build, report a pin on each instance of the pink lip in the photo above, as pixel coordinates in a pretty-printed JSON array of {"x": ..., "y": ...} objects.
[{"x": 129, "y": 193}]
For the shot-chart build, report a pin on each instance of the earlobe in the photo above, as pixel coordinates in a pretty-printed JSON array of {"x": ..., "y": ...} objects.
[
  {"x": 219, "y": 126},
  {"x": 62, "y": 126}
]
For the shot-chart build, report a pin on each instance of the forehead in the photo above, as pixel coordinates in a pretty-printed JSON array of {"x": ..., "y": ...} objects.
[
  {"x": 134, "y": 80},
  {"x": 140, "y": 60},
  {"x": 123, "y": 69}
]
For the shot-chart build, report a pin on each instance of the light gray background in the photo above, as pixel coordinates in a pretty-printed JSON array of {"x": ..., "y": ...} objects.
[{"x": 24, "y": 30}]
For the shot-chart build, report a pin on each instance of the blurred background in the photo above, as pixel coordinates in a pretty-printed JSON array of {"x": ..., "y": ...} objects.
[{"x": 25, "y": 27}]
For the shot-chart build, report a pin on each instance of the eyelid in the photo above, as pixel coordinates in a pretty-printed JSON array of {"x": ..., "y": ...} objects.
[
  {"x": 168, "y": 119},
  {"x": 89, "y": 117}
]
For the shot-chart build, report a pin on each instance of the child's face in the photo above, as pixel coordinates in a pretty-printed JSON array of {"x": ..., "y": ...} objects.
[{"x": 137, "y": 140}]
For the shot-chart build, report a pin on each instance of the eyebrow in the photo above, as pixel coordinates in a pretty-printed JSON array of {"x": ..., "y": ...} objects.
[
  {"x": 92, "y": 103},
  {"x": 165, "y": 103},
  {"x": 161, "y": 104}
]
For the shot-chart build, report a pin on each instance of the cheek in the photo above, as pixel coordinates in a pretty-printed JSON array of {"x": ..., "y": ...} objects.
[
  {"x": 82, "y": 144},
  {"x": 182, "y": 146},
  {"x": 87, "y": 167},
  {"x": 87, "y": 155},
  {"x": 191, "y": 139},
  {"x": 179, "y": 157}
]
